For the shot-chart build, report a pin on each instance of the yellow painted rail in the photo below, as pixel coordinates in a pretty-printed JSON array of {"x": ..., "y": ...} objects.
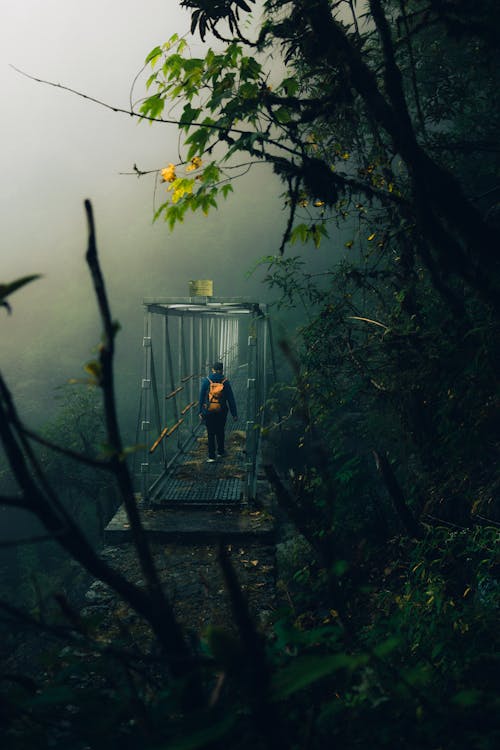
[
  {"x": 166, "y": 432},
  {"x": 188, "y": 407},
  {"x": 174, "y": 393}
]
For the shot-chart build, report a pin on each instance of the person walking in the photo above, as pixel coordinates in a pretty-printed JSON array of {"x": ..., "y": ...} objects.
[{"x": 216, "y": 399}]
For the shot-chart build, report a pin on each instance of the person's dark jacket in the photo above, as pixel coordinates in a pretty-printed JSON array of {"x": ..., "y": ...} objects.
[{"x": 228, "y": 396}]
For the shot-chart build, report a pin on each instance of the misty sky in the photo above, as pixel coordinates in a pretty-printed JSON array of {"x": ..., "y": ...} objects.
[{"x": 59, "y": 149}]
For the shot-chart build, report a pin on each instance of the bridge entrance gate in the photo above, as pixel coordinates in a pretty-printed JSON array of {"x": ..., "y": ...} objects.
[{"x": 182, "y": 338}]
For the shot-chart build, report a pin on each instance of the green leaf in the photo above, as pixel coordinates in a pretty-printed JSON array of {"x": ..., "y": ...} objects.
[
  {"x": 340, "y": 568},
  {"x": 152, "y": 78},
  {"x": 306, "y": 670},
  {"x": 318, "y": 231},
  {"x": 156, "y": 52},
  {"x": 211, "y": 173},
  {"x": 250, "y": 69},
  {"x": 289, "y": 85},
  {"x": 153, "y": 106},
  {"x": 173, "y": 214},
  {"x": 6, "y": 289},
  {"x": 282, "y": 115},
  {"x": 386, "y": 647},
  {"x": 300, "y": 232},
  {"x": 205, "y": 736},
  {"x": 198, "y": 140},
  {"x": 466, "y": 698}
]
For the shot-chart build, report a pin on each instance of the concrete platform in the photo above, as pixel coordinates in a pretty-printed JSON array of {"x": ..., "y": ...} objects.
[{"x": 176, "y": 525}]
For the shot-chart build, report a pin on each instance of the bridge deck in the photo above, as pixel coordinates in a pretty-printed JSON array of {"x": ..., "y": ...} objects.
[
  {"x": 191, "y": 482},
  {"x": 199, "y": 501}
]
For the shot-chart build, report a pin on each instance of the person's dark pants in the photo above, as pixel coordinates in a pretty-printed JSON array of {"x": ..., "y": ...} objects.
[{"x": 215, "y": 424}]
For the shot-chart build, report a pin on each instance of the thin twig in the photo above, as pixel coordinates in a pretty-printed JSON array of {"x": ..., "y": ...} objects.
[{"x": 140, "y": 116}]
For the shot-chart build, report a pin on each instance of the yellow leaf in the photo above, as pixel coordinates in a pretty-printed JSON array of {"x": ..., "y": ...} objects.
[
  {"x": 467, "y": 591},
  {"x": 168, "y": 174},
  {"x": 93, "y": 368},
  {"x": 196, "y": 163},
  {"x": 371, "y": 237},
  {"x": 180, "y": 188},
  {"x": 349, "y": 244}
]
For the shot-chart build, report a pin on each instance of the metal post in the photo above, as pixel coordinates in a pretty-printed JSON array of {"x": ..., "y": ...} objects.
[
  {"x": 171, "y": 368},
  {"x": 146, "y": 401},
  {"x": 200, "y": 345},
  {"x": 181, "y": 361},
  {"x": 191, "y": 389},
  {"x": 211, "y": 340},
  {"x": 251, "y": 409}
]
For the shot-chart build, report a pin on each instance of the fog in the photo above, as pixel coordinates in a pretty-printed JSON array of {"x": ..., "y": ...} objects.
[{"x": 59, "y": 149}]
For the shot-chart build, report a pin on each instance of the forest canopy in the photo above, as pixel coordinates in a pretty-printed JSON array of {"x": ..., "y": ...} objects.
[{"x": 381, "y": 119}]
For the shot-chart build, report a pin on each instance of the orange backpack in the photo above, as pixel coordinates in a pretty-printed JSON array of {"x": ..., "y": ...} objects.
[{"x": 215, "y": 396}]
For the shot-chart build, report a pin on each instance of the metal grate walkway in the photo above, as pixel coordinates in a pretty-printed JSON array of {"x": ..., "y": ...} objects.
[
  {"x": 192, "y": 483},
  {"x": 196, "y": 493}
]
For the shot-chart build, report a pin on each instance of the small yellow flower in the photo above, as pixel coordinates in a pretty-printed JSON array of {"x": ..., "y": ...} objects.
[{"x": 168, "y": 174}]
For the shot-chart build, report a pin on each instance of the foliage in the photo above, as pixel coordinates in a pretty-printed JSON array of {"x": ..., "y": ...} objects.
[
  {"x": 374, "y": 123},
  {"x": 351, "y": 122},
  {"x": 387, "y": 634},
  {"x": 7, "y": 289}
]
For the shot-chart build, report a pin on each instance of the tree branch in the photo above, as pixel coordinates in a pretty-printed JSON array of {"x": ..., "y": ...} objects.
[
  {"x": 397, "y": 496},
  {"x": 149, "y": 118},
  {"x": 164, "y": 621}
]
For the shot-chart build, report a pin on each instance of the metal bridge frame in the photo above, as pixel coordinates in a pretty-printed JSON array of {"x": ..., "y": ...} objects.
[{"x": 190, "y": 333}]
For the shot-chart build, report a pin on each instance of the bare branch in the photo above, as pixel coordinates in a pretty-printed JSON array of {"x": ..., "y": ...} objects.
[
  {"x": 163, "y": 619},
  {"x": 149, "y": 118}
]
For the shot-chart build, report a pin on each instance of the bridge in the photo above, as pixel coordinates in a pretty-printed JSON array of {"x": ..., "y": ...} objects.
[
  {"x": 182, "y": 338},
  {"x": 188, "y": 507}
]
